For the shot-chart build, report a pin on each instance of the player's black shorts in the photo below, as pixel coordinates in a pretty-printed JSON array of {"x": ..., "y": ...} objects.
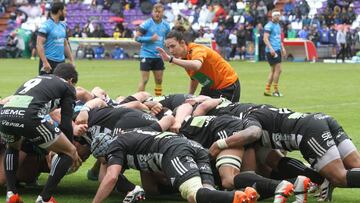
[
  {"x": 39, "y": 133},
  {"x": 183, "y": 162},
  {"x": 136, "y": 120},
  {"x": 274, "y": 60},
  {"x": 317, "y": 138},
  {"x": 336, "y": 130},
  {"x": 231, "y": 92},
  {"x": 53, "y": 65},
  {"x": 148, "y": 64}
]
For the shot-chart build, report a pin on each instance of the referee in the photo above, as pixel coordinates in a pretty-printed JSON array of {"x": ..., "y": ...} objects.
[
  {"x": 274, "y": 51},
  {"x": 52, "y": 43}
]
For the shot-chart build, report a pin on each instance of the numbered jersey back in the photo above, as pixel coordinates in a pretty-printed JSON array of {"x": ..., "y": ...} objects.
[{"x": 42, "y": 94}]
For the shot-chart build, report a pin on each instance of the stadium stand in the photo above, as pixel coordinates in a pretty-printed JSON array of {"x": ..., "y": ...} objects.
[{"x": 309, "y": 19}]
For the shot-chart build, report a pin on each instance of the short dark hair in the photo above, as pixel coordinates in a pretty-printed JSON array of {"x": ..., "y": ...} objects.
[
  {"x": 66, "y": 71},
  {"x": 180, "y": 33},
  {"x": 56, "y": 7}
]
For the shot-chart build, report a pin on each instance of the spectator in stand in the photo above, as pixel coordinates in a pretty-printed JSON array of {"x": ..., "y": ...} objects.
[
  {"x": 77, "y": 32},
  {"x": 80, "y": 52},
  {"x": 117, "y": 53},
  {"x": 337, "y": 15},
  {"x": 314, "y": 35},
  {"x": 262, "y": 45},
  {"x": 324, "y": 35},
  {"x": 350, "y": 41},
  {"x": 127, "y": 33},
  {"x": 32, "y": 44},
  {"x": 315, "y": 21},
  {"x": 219, "y": 12},
  {"x": 261, "y": 12},
  {"x": 201, "y": 32},
  {"x": 332, "y": 40},
  {"x": 99, "y": 4},
  {"x": 303, "y": 7},
  {"x": 89, "y": 52},
  {"x": 98, "y": 32},
  {"x": 303, "y": 33},
  {"x": 233, "y": 44},
  {"x": 240, "y": 5},
  {"x": 331, "y": 4},
  {"x": 222, "y": 40},
  {"x": 341, "y": 41},
  {"x": 329, "y": 17},
  {"x": 291, "y": 33},
  {"x": 306, "y": 21},
  {"x": 208, "y": 34},
  {"x": 99, "y": 51},
  {"x": 288, "y": 8},
  {"x": 85, "y": 32},
  {"x": 68, "y": 32},
  {"x": 117, "y": 33},
  {"x": 249, "y": 37},
  {"x": 344, "y": 16},
  {"x": 12, "y": 46},
  {"x": 241, "y": 41},
  {"x": 351, "y": 15}
]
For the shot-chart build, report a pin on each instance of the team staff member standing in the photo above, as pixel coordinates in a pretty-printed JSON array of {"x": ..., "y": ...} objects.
[
  {"x": 274, "y": 50},
  {"x": 203, "y": 65},
  {"x": 52, "y": 43},
  {"x": 151, "y": 34}
]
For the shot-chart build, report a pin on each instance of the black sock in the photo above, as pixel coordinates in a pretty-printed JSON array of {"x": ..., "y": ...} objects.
[
  {"x": 123, "y": 185},
  {"x": 205, "y": 195},
  {"x": 57, "y": 172},
  {"x": 291, "y": 168},
  {"x": 353, "y": 178},
  {"x": 11, "y": 161},
  {"x": 264, "y": 186}
]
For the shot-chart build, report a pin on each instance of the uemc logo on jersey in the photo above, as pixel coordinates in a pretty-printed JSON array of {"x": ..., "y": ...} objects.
[{"x": 13, "y": 113}]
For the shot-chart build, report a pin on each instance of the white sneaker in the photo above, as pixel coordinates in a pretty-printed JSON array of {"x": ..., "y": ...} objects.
[
  {"x": 137, "y": 194},
  {"x": 326, "y": 190},
  {"x": 301, "y": 186},
  {"x": 283, "y": 191}
]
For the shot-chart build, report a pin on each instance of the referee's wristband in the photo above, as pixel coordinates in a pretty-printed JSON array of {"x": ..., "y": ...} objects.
[
  {"x": 85, "y": 108},
  {"x": 222, "y": 144},
  {"x": 171, "y": 59}
]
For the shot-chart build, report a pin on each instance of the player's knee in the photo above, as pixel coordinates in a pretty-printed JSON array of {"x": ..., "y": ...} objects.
[
  {"x": 234, "y": 163},
  {"x": 339, "y": 179},
  {"x": 144, "y": 82},
  {"x": 158, "y": 81}
]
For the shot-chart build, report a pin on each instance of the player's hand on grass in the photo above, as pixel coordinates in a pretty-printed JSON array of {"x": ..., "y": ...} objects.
[
  {"x": 82, "y": 118},
  {"x": 164, "y": 56},
  {"x": 80, "y": 129},
  {"x": 214, "y": 150},
  {"x": 76, "y": 163}
]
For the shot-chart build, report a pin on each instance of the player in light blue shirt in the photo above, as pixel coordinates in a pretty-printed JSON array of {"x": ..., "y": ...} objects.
[
  {"x": 52, "y": 44},
  {"x": 151, "y": 34},
  {"x": 274, "y": 51}
]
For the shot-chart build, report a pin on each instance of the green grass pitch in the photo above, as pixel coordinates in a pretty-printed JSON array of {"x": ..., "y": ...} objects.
[{"x": 308, "y": 87}]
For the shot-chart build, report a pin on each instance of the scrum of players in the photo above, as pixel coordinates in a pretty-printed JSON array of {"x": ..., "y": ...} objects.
[{"x": 206, "y": 149}]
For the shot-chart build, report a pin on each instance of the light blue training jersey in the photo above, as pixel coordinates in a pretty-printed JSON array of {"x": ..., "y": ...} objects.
[
  {"x": 149, "y": 28},
  {"x": 274, "y": 31},
  {"x": 55, "y": 34}
]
